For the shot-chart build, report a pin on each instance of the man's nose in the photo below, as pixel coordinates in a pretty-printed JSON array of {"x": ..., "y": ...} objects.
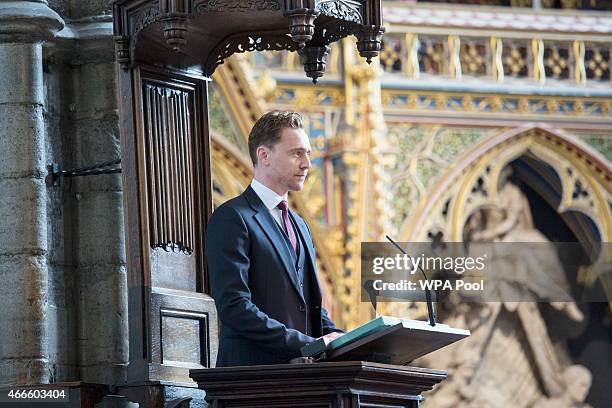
[{"x": 306, "y": 163}]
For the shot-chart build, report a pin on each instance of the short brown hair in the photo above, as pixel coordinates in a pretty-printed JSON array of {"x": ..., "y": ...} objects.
[{"x": 267, "y": 130}]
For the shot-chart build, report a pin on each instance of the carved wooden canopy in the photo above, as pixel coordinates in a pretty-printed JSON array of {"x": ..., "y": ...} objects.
[{"x": 199, "y": 34}]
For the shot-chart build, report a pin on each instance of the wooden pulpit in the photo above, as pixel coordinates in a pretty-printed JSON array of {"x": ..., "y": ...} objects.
[
  {"x": 166, "y": 53},
  {"x": 344, "y": 384},
  {"x": 340, "y": 378}
]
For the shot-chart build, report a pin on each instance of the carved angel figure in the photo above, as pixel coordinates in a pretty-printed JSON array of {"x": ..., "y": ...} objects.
[{"x": 510, "y": 359}]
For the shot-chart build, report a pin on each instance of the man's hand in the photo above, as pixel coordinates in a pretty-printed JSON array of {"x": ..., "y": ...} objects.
[{"x": 329, "y": 337}]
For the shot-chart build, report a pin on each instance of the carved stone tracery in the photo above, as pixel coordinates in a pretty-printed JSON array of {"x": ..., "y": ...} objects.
[
  {"x": 581, "y": 193},
  {"x": 518, "y": 337},
  {"x": 478, "y": 188}
]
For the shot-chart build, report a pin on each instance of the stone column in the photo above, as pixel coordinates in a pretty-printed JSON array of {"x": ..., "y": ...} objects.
[
  {"x": 24, "y": 356},
  {"x": 99, "y": 240},
  {"x": 82, "y": 69}
]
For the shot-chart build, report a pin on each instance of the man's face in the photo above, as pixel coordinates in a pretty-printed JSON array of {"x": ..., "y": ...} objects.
[{"x": 286, "y": 165}]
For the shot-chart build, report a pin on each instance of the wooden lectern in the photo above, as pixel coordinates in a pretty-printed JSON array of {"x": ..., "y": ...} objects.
[
  {"x": 345, "y": 384},
  {"x": 340, "y": 379}
]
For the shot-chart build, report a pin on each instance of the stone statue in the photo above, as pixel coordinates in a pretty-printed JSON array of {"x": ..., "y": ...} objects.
[
  {"x": 577, "y": 381},
  {"x": 539, "y": 270},
  {"x": 510, "y": 359}
]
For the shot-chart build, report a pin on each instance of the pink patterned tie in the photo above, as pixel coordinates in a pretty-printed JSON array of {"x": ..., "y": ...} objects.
[{"x": 288, "y": 227}]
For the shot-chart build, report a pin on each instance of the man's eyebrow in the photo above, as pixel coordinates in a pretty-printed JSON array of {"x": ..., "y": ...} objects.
[{"x": 299, "y": 149}]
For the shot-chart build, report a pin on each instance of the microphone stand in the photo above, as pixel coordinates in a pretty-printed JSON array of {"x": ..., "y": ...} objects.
[{"x": 430, "y": 306}]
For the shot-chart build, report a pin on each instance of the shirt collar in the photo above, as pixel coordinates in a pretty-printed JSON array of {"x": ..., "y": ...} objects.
[{"x": 267, "y": 195}]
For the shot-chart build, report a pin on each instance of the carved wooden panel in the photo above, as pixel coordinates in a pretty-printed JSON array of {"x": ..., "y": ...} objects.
[
  {"x": 184, "y": 338},
  {"x": 173, "y": 180},
  {"x": 350, "y": 384},
  {"x": 184, "y": 333},
  {"x": 348, "y": 10},
  {"x": 173, "y": 270},
  {"x": 169, "y": 169},
  {"x": 178, "y": 327}
]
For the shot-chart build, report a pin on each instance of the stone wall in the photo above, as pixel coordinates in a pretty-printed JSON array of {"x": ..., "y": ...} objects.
[{"x": 63, "y": 285}]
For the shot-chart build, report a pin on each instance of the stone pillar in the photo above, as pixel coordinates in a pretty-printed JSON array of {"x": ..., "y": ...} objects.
[
  {"x": 99, "y": 240},
  {"x": 24, "y": 354},
  {"x": 83, "y": 62}
]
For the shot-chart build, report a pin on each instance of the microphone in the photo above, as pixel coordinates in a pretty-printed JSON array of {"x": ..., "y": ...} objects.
[
  {"x": 369, "y": 287},
  {"x": 430, "y": 307},
  {"x": 374, "y": 293}
]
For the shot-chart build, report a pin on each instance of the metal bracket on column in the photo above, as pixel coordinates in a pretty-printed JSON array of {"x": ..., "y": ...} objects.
[{"x": 56, "y": 173}]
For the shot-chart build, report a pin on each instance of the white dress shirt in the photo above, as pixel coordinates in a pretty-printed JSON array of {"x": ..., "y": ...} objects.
[{"x": 270, "y": 200}]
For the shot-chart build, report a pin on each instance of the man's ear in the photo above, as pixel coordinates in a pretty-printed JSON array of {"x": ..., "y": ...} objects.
[{"x": 262, "y": 155}]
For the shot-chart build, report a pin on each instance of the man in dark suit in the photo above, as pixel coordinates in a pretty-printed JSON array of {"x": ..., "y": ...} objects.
[{"x": 261, "y": 258}]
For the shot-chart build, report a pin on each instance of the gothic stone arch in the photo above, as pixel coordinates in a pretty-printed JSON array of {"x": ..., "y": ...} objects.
[{"x": 471, "y": 183}]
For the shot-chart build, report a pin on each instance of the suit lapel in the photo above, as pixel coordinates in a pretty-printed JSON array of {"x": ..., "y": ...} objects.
[{"x": 273, "y": 233}]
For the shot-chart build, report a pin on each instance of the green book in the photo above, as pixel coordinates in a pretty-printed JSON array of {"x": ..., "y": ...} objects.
[
  {"x": 386, "y": 339},
  {"x": 360, "y": 332}
]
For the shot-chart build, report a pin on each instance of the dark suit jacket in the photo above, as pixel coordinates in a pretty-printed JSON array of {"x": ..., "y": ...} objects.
[{"x": 256, "y": 290}]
